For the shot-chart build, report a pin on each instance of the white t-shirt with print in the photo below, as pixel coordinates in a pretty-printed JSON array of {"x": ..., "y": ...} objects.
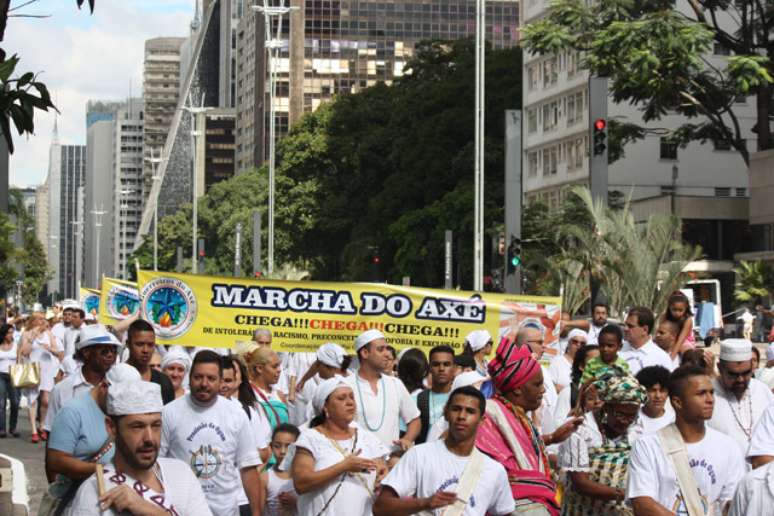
[
  {"x": 182, "y": 492},
  {"x": 216, "y": 441},
  {"x": 380, "y": 412},
  {"x": 355, "y": 493},
  {"x": 716, "y": 470},
  {"x": 428, "y": 468},
  {"x": 649, "y": 354}
]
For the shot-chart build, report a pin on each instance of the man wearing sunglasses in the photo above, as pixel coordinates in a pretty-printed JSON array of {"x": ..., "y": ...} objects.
[
  {"x": 95, "y": 348},
  {"x": 740, "y": 399}
]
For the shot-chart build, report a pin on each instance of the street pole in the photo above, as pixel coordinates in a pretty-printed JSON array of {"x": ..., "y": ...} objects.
[
  {"x": 154, "y": 161},
  {"x": 98, "y": 225},
  {"x": 478, "y": 247},
  {"x": 238, "y": 251},
  {"x": 513, "y": 195},
  {"x": 257, "y": 243},
  {"x": 447, "y": 262},
  {"x": 194, "y": 111},
  {"x": 273, "y": 45}
]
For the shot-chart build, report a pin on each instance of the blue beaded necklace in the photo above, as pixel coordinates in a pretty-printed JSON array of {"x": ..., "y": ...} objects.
[{"x": 362, "y": 405}]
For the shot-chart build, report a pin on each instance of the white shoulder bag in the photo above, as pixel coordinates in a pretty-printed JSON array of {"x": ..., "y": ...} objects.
[{"x": 674, "y": 447}]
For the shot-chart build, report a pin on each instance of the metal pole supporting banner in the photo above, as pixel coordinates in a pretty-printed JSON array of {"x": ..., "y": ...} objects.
[
  {"x": 513, "y": 193},
  {"x": 478, "y": 223}
]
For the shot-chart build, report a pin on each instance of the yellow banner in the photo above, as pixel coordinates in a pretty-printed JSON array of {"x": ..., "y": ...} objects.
[
  {"x": 90, "y": 300},
  {"x": 119, "y": 300},
  {"x": 195, "y": 310}
]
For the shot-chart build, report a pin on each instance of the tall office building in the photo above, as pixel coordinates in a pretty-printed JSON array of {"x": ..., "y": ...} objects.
[
  {"x": 127, "y": 198},
  {"x": 333, "y": 47},
  {"x": 65, "y": 178},
  {"x": 41, "y": 217},
  {"x": 161, "y": 91}
]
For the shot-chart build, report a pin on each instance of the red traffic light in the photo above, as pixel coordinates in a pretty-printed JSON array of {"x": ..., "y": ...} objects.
[
  {"x": 376, "y": 260},
  {"x": 600, "y": 124}
]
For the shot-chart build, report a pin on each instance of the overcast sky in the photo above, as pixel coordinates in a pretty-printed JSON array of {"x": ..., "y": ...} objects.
[{"x": 82, "y": 57}]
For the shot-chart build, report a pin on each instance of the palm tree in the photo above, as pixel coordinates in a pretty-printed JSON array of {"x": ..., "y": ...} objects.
[{"x": 754, "y": 281}]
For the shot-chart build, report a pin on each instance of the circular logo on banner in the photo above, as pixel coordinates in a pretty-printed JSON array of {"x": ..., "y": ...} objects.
[
  {"x": 91, "y": 304},
  {"x": 170, "y": 305},
  {"x": 122, "y": 303}
]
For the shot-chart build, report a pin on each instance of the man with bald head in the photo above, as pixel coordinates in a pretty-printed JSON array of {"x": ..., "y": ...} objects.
[{"x": 532, "y": 337}]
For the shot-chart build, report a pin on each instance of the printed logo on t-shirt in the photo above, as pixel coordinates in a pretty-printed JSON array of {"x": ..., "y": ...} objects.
[
  {"x": 680, "y": 509},
  {"x": 206, "y": 462},
  {"x": 446, "y": 484}
]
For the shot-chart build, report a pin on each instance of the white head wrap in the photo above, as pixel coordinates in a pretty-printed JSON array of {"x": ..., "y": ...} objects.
[
  {"x": 367, "y": 337},
  {"x": 128, "y": 398},
  {"x": 467, "y": 379},
  {"x": 478, "y": 339},
  {"x": 735, "y": 350},
  {"x": 331, "y": 354},
  {"x": 95, "y": 335},
  {"x": 325, "y": 389},
  {"x": 176, "y": 356},
  {"x": 575, "y": 333},
  {"x": 120, "y": 373}
]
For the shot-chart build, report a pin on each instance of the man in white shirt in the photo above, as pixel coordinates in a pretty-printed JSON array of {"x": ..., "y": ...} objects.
[
  {"x": 71, "y": 334},
  {"x": 740, "y": 399},
  {"x": 138, "y": 481},
  {"x": 213, "y": 436},
  {"x": 98, "y": 349},
  {"x": 653, "y": 487},
  {"x": 61, "y": 327},
  {"x": 433, "y": 476},
  {"x": 382, "y": 400},
  {"x": 639, "y": 350}
]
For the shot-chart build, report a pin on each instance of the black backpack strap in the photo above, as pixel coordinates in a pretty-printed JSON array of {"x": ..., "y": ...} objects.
[{"x": 423, "y": 403}]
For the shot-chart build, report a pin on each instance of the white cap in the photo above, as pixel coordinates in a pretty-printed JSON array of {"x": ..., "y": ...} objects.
[
  {"x": 367, "y": 337},
  {"x": 94, "y": 335},
  {"x": 136, "y": 397},
  {"x": 770, "y": 352},
  {"x": 70, "y": 303},
  {"x": 331, "y": 354},
  {"x": 575, "y": 333},
  {"x": 478, "y": 339},
  {"x": 735, "y": 350},
  {"x": 468, "y": 378},
  {"x": 121, "y": 373}
]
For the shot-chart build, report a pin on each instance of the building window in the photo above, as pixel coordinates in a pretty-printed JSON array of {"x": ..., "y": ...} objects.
[
  {"x": 532, "y": 165},
  {"x": 532, "y": 120},
  {"x": 532, "y": 77},
  {"x": 719, "y": 50},
  {"x": 741, "y": 192},
  {"x": 574, "y": 108},
  {"x": 550, "y": 116},
  {"x": 722, "y": 192},
  {"x": 549, "y": 161},
  {"x": 550, "y": 72},
  {"x": 668, "y": 149}
]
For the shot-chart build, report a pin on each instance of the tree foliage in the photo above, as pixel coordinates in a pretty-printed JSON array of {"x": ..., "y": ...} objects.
[
  {"x": 754, "y": 282},
  {"x": 659, "y": 59}
]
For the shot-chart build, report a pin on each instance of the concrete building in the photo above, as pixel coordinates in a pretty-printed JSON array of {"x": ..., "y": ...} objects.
[
  {"x": 98, "y": 191},
  {"x": 215, "y": 161},
  {"x": 161, "y": 91},
  {"x": 65, "y": 177},
  {"x": 329, "y": 48},
  {"x": 127, "y": 195},
  {"x": 706, "y": 185},
  {"x": 41, "y": 217}
]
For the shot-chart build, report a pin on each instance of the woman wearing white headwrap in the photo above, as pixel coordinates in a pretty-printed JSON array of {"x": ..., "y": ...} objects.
[
  {"x": 336, "y": 464},
  {"x": 561, "y": 365},
  {"x": 478, "y": 344},
  {"x": 331, "y": 361},
  {"x": 175, "y": 364}
]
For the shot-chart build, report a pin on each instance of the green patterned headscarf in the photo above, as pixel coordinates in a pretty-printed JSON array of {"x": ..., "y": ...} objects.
[{"x": 623, "y": 389}]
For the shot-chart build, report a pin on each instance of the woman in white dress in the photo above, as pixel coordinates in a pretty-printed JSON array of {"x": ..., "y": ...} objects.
[
  {"x": 337, "y": 464},
  {"x": 39, "y": 345}
]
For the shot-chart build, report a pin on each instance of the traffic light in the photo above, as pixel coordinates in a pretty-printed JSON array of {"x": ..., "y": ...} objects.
[
  {"x": 600, "y": 136},
  {"x": 514, "y": 255},
  {"x": 375, "y": 264}
]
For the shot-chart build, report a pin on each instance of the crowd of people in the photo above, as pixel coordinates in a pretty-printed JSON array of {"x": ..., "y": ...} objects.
[{"x": 611, "y": 419}]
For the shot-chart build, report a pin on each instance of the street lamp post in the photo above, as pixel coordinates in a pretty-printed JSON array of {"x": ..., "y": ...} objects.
[
  {"x": 98, "y": 225},
  {"x": 273, "y": 45},
  {"x": 194, "y": 111},
  {"x": 154, "y": 161},
  {"x": 478, "y": 169}
]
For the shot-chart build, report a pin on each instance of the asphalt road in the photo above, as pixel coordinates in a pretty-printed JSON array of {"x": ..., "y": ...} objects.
[{"x": 32, "y": 455}]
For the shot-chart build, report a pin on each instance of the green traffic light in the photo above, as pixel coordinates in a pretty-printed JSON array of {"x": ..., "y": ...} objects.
[{"x": 515, "y": 261}]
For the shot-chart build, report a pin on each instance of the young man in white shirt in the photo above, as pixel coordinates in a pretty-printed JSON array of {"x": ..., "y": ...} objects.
[
  {"x": 431, "y": 402},
  {"x": 653, "y": 487},
  {"x": 73, "y": 331},
  {"x": 137, "y": 480},
  {"x": 740, "y": 399},
  {"x": 214, "y": 436},
  {"x": 657, "y": 412},
  {"x": 639, "y": 350},
  {"x": 380, "y": 399},
  {"x": 429, "y": 477}
]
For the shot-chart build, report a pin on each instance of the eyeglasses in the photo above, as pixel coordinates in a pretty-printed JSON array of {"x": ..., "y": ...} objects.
[
  {"x": 743, "y": 374},
  {"x": 106, "y": 350}
]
